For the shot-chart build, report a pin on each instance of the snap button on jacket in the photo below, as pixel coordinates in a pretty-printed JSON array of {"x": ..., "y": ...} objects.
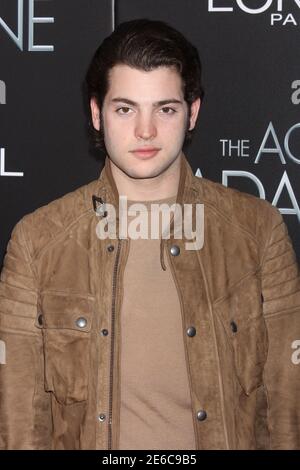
[{"x": 60, "y": 298}]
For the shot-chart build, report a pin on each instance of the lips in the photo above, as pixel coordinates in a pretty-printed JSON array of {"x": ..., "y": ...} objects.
[{"x": 146, "y": 152}]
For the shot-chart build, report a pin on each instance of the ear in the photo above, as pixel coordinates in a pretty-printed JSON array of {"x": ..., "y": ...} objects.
[
  {"x": 95, "y": 111},
  {"x": 195, "y": 106}
]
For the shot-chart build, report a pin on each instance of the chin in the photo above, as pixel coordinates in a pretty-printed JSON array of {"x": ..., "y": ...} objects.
[
  {"x": 142, "y": 174},
  {"x": 137, "y": 172}
]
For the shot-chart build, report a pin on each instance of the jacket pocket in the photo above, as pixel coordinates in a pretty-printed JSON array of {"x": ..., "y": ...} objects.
[
  {"x": 241, "y": 316},
  {"x": 66, "y": 321}
]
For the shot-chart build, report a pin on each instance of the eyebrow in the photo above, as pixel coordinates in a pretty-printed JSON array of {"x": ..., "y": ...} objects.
[{"x": 155, "y": 104}]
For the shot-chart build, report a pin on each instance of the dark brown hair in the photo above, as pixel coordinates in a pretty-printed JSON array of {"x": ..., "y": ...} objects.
[{"x": 143, "y": 44}]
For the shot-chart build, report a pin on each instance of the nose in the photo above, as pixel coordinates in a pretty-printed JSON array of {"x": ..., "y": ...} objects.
[{"x": 145, "y": 127}]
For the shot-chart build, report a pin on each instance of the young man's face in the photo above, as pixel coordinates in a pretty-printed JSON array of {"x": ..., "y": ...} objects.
[{"x": 144, "y": 110}]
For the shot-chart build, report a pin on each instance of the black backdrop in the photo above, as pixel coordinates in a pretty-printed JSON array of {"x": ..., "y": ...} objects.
[{"x": 248, "y": 132}]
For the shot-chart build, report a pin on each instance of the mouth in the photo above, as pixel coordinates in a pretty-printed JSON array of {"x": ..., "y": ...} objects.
[{"x": 145, "y": 153}]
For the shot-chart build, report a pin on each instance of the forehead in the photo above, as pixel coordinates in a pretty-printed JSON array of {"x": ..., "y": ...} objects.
[{"x": 132, "y": 82}]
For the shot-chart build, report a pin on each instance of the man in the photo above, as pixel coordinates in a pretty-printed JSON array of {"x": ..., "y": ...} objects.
[{"x": 143, "y": 343}]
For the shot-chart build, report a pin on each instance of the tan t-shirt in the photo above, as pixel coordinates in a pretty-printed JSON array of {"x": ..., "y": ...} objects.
[{"x": 156, "y": 408}]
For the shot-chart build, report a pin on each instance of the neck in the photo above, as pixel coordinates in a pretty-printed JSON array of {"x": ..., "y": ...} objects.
[{"x": 163, "y": 186}]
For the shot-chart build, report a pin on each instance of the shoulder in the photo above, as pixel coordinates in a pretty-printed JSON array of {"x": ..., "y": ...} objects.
[
  {"x": 242, "y": 209},
  {"x": 47, "y": 222}
]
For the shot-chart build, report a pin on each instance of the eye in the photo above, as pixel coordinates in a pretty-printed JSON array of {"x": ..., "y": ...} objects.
[
  {"x": 123, "y": 108},
  {"x": 172, "y": 111}
]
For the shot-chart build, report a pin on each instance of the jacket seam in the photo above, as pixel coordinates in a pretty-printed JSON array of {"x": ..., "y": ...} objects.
[
  {"x": 284, "y": 311},
  {"x": 35, "y": 334},
  {"x": 239, "y": 226},
  {"x": 278, "y": 255},
  {"x": 65, "y": 293},
  {"x": 19, "y": 287},
  {"x": 233, "y": 286},
  {"x": 13, "y": 314},
  {"x": 194, "y": 185},
  {"x": 221, "y": 386},
  {"x": 279, "y": 270},
  {"x": 28, "y": 257},
  {"x": 60, "y": 234},
  {"x": 268, "y": 409},
  {"x": 268, "y": 243},
  {"x": 280, "y": 283},
  {"x": 277, "y": 241}
]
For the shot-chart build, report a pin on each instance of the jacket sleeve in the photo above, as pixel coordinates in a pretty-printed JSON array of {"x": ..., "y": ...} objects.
[
  {"x": 281, "y": 295},
  {"x": 25, "y": 420}
]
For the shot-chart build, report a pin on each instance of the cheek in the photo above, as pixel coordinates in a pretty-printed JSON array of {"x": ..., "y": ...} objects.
[
  {"x": 176, "y": 128},
  {"x": 171, "y": 127},
  {"x": 115, "y": 129}
]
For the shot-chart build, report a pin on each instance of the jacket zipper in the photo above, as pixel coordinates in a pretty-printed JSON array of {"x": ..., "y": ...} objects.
[{"x": 112, "y": 344}]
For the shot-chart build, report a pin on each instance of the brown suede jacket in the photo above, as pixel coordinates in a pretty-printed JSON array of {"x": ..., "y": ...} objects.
[{"x": 60, "y": 297}]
